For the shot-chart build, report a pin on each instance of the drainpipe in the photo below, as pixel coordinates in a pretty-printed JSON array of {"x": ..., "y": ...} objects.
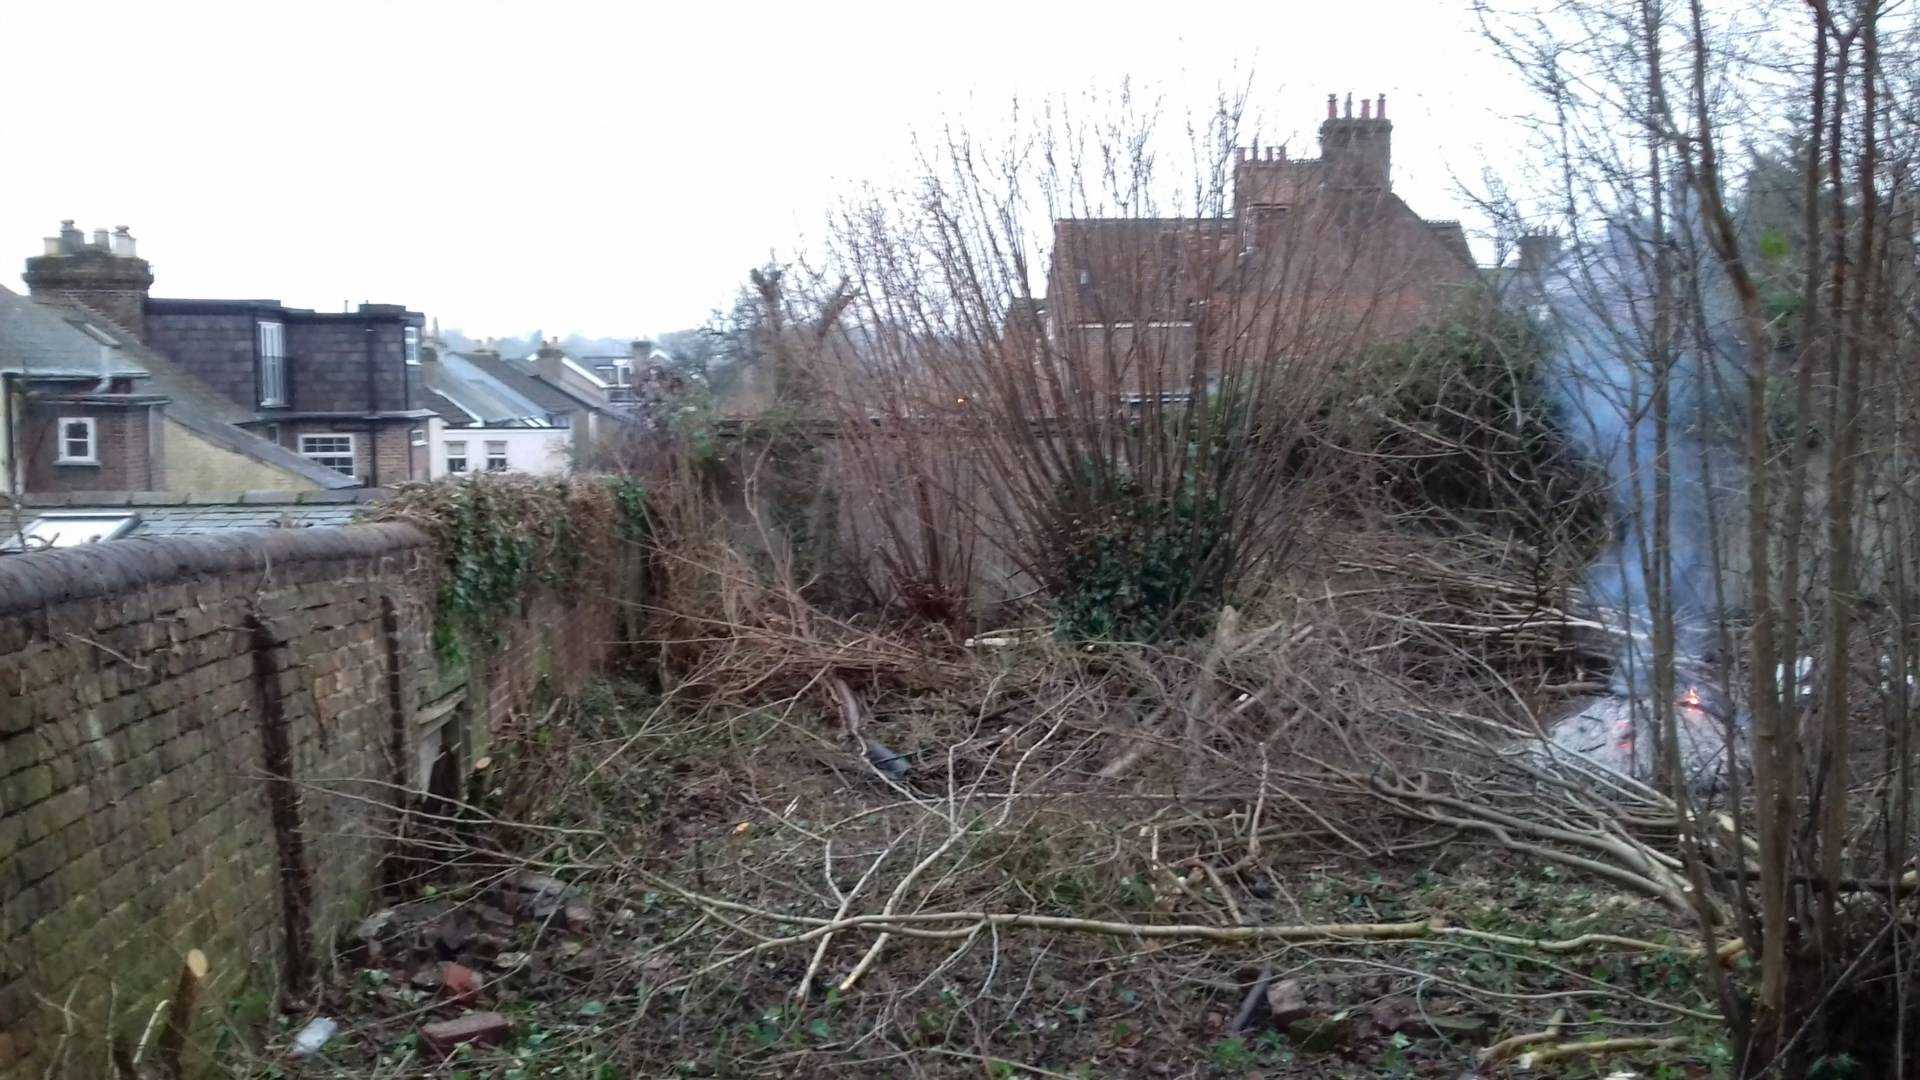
[
  {"x": 373, "y": 406},
  {"x": 8, "y": 422}
]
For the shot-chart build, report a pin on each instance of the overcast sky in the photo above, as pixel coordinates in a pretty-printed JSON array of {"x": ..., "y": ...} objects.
[{"x": 615, "y": 168}]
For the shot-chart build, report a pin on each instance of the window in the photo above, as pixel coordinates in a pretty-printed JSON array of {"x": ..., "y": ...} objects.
[
  {"x": 273, "y": 364},
  {"x": 496, "y": 456},
  {"x": 333, "y": 451},
  {"x": 273, "y": 433},
  {"x": 418, "y": 436},
  {"x": 78, "y": 445},
  {"x": 69, "y": 528},
  {"x": 413, "y": 344},
  {"x": 456, "y": 455}
]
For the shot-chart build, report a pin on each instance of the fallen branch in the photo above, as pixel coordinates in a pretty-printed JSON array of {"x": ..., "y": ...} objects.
[
  {"x": 1507, "y": 1048},
  {"x": 1592, "y": 1047}
]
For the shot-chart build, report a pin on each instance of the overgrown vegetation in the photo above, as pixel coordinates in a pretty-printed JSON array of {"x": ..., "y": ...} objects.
[
  {"x": 1126, "y": 566},
  {"x": 497, "y": 535},
  {"x": 1261, "y": 769},
  {"x": 1091, "y": 861},
  {"x": 1466, "y": 436}
]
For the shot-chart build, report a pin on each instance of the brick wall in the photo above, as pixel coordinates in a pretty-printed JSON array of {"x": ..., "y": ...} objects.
[
  {"x": 393, "y": 451},
  {"x": 122, "y": 449},
  {"x": 196, "y": 742}
]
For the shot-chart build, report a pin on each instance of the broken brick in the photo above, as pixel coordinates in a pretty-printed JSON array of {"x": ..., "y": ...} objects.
[
  {"x": 484, "y": 1028},
  {"x": 459, "y": 982}
]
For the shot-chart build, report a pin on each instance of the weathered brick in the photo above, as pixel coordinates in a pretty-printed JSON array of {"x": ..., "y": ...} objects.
[{"x": 129, "y": 822}]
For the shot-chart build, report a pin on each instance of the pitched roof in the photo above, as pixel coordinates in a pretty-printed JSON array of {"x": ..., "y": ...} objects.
[
  {"x": 449, "y": 410},
  {"x": 472, "y": 385},
  {"x": 47, "y": 339},
  {"x": 37, "y": 339},
  {"x": 515, "y": 376}
]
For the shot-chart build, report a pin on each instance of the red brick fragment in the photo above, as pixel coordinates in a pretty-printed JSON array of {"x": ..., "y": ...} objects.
[
  {"x": 484, "y": 1028},
  {"x": 459, "y": 982}
]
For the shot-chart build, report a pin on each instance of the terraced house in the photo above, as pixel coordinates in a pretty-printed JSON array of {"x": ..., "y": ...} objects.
[
  {"x": 85, "y": 408},
  {"x": 1304, "y": 257},
  {"x": 340, "y": 390}
]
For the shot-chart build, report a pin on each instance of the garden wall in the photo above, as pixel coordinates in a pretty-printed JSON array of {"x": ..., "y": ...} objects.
[{"x": 204, "y": 743}]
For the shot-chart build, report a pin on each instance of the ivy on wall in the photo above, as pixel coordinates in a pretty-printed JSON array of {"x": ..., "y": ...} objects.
[{"x": 500, "y": 535}]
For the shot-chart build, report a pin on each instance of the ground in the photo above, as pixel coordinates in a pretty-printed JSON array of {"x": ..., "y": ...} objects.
[{"x": 616, "y": 894}]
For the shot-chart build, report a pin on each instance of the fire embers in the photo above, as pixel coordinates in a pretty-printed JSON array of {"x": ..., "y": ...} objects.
[{"x": 1620, "y": 733}]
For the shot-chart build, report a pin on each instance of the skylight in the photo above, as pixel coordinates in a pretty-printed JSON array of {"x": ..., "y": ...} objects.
[{"x": 59, "y": 530}]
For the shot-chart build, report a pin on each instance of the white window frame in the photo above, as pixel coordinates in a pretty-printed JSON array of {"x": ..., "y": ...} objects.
[
  {"x": 417, "y": 437},
  {"x": 92, "y": 456},
  {"x": 271, "y": 338},
  {"x": 503, "y": 465},
  {"x": 70, "y": 528},
  {"x": 410, "y": 337},
  {"x": 456, "y": 451},
  {"x": 328, "y": 458}
]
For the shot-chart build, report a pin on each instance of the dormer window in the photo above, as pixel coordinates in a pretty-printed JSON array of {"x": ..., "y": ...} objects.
[
  {"x": 273, "y": 364},
  {"x": 79, "y": 441}
]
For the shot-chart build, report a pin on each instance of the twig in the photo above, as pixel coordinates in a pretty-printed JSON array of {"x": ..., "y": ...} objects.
[
  {"x": 1547, "y": 1055},
  {"x": 1243, "y": 1020},
  {"x": 1507, "y": 1048}
]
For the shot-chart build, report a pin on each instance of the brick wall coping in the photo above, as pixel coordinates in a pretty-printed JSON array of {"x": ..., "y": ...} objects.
[{"x": 37, "y": 579}]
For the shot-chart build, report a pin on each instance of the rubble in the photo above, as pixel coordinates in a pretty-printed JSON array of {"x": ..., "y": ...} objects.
[{"x": 484, "y": 1028}]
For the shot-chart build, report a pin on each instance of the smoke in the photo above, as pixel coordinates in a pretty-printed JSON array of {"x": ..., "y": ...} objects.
[{"x": 1599, "y": 301}]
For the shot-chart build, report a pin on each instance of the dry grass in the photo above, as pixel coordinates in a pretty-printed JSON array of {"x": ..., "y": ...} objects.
[{"x": 1093, "y": 857}]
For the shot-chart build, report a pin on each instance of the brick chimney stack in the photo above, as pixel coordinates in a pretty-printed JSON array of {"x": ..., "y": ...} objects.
[
  {"x": 1358, "y": 149},
  {"x": 104, "y": 275},
  {"x": 1539, "y": 249},
  {"x": 551, "y": 362}
]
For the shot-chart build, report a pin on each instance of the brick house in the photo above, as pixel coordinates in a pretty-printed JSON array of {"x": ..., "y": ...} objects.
[
  {"x": 1310, "y": 257},
  {"x": 341, "y": 390},
  {"x": 84, "y": 408}
]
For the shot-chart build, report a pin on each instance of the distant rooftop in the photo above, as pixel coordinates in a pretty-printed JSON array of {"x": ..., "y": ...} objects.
[{"x": 81, "y": 517}]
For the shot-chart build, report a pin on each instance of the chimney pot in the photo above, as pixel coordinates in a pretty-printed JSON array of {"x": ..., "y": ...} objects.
[
  {"x": 100, "y": 239},
  {"x": 1380, "y": 111},
  {"x": 53, "y": 245},
  {"x": 1349, "y": 105},
  {"x": 1366, "y": 109},
  {"x": 1330, "y": 106}
]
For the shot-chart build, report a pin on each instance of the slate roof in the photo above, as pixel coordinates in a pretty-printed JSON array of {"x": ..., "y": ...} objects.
[
  {"x": 49, "y": 339},
  {"x": 473, "y": 385},
  {"x": 448, "y": 410},
  {"x": 169, "y": 514},
  {"x": 517, "y": 378},
  {"x": 36, "y": 339}
]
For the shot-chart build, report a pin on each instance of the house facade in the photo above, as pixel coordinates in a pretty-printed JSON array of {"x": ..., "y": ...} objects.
[
  {"x": 85, "y": 408},
  {"x": 494, "y": 413},
  {"x": 339, "y": 390},
  {"x": 1310, "y": 258}
]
